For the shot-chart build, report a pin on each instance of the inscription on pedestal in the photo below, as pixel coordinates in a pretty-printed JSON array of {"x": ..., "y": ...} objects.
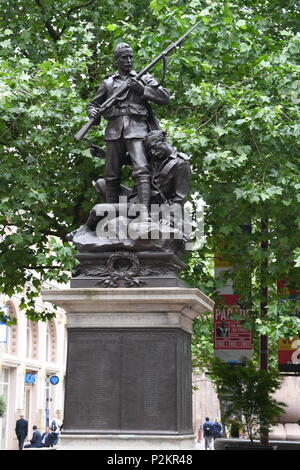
[
  {"x": 92, "y": 381},
  {"x": 126, "y": 381}
]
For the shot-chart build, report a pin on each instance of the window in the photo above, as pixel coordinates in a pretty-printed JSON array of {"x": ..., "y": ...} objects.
[
  {"x": 50, "y": 352},
  {"x": 12, "y": 343},
  {"x": 4, "y": 377}
]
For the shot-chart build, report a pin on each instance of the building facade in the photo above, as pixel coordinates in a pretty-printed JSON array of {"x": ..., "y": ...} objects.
[
  {"x": 30, "y": 354},
  {"x": 205, "y": 401}
]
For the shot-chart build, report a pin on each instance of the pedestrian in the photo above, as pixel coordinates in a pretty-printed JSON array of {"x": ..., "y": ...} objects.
[
  {"x": 235, "y": 428},
  {"x": 207, "y": 433},
  {"x": 36, "y": 439},
  {"x": 217, "y": 429},
  {"x": 54, "y": 428},
  {"x": 21, "y": 431},
  {"x": 199, "y": 437},
  {"x": 46, "y": 438}
]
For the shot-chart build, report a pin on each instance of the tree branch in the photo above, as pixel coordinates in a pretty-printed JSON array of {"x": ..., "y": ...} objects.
[
  {"x": 78, "y": 7},
  {"x": 71, "y": 10},
  {"x": 54, "y": 35},
  {"x": 38, "y": 266}
]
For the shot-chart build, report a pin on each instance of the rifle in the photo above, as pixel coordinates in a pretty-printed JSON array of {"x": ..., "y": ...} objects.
[{"x": 123, "y": 88}]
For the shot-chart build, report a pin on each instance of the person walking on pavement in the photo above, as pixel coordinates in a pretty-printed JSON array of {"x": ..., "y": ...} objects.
[
  {"x": 235, "y": 428},
  {"x": 208, "y": 433},
  {"x": 21, "y": 431},
  {"x": 54, "y": 428},
  {"x": 217, "y": 429}
]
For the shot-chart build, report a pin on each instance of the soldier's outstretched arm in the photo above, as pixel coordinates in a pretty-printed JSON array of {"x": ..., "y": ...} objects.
[{"x": 158, "y": 95}]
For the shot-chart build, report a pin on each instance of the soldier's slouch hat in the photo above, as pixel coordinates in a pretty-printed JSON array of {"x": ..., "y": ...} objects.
[{"x": 154, "y": 137}]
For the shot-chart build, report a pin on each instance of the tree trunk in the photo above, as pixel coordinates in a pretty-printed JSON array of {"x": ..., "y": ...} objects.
[{"x": 264, "y": 360}]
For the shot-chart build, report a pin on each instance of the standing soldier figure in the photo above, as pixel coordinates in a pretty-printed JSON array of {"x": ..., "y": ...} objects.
[{"x": 128, "y": 124}]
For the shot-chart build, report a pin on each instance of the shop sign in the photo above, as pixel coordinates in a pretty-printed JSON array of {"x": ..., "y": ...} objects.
[{"x": 30, "y": 379}]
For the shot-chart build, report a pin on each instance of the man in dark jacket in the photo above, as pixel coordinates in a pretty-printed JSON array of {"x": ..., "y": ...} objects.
[
  {"x": 36, "y": 440},
  {"x": 128, "y": 124},
  {"x": 207, "y": 433},
  {"x": 46, "y": 438},
  {"x": 217, "y": 429},
  {"x": 21, "y": 430}
]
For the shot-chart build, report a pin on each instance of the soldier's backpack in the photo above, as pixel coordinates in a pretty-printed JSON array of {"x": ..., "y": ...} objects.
[{"x": 53, "y": 426}]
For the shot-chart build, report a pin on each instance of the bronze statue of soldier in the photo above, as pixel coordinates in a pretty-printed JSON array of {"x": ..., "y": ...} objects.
[
  {"x": 170, "y": 175},
  {"x": 170, "y": 170},
  {"x": 160, "y": 175},
  {"x": 128, "y": 124}
]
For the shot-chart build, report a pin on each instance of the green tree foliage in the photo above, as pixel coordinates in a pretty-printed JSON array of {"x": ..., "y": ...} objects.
[
  {"x": 248, "y": 392},
  {"x": 234, "y": 108}
]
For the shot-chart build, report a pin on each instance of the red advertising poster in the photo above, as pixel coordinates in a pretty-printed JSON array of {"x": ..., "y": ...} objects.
[
  {"x": 289, "y": 355},
  {"x": 228, "y": 332},
  {"x": 289, "y": 349}
]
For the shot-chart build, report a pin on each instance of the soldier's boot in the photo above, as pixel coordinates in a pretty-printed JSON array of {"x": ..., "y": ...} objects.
[
  {"x": 112, "y": 192},
  {"x": 144, "y": 195}
]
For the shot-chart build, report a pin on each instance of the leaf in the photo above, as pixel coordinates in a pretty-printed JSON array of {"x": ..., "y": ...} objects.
[
  {"x": 111, "y": 27},
  {"x": 204, "y": 12},
  {"x": 7, "y": 44},
  {"x": 241, "y": 24},
  {"x": 297, "y": 257},
  {"x": 244, "y": 47}
]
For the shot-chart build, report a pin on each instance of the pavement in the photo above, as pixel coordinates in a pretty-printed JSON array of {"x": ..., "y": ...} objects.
[{"x": 200, "y": 445}]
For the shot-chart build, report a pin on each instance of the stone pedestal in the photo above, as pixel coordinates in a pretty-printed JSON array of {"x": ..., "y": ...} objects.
[{"x": 129, "y": 380}]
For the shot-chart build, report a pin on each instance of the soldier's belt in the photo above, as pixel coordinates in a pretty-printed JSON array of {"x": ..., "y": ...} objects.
[
  {"x": 122, "y": 111},
  {"x": 128, "y": 110}
]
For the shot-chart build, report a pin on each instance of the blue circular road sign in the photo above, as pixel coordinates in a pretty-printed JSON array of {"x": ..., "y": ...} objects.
[{"x": 54, "y": 380}]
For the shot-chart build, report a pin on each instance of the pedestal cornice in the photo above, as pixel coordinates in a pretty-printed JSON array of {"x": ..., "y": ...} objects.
[{"x": 168, "y": 307}]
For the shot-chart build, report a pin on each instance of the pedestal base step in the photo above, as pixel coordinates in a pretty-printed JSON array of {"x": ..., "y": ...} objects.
[{"x": 126, "y": 442}]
